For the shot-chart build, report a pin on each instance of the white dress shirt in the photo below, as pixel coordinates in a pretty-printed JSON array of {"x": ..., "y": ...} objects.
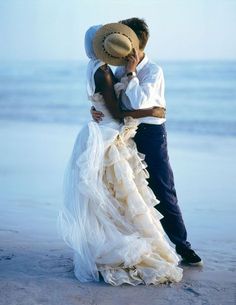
[{"x": 145, "y": 90}]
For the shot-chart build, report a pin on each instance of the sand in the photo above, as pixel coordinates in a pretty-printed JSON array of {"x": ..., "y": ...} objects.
[{"x": 36, "y": 266}]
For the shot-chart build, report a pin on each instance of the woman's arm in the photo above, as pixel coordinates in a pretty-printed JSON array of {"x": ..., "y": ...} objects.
[{"x": 104, "y": 82}]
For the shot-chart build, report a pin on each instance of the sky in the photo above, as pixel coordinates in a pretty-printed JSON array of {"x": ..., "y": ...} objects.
[{"x": 179, "y": 29}]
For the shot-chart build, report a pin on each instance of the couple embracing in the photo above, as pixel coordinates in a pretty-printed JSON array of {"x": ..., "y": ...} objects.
[{"x": 120, "y": 200}]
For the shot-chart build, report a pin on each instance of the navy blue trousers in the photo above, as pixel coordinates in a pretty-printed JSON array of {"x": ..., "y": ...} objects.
[{"x": 151, "y": 140}]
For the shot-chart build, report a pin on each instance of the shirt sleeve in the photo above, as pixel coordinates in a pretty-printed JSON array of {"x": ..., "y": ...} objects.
[{"x": 141, "y": 93}]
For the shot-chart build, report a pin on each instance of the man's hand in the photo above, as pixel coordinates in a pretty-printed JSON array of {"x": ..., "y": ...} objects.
[
  {"x": 96, "y": 115},
  {"x": 132, "y": 61},
  {"x": 159, "y": 112}
]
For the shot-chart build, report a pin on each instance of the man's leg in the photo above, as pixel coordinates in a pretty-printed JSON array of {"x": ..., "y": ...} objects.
[{"x": 151, "y": 141}]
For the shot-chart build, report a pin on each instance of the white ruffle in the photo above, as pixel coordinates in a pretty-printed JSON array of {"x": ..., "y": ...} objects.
[{"x": 108, "y": 216}]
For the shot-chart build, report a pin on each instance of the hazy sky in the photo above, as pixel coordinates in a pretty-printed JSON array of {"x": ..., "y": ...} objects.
[{"x": 180, "y": 29}]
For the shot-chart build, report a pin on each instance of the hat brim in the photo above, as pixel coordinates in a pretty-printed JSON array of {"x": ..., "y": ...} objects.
[{"x": 103, "y": 32}]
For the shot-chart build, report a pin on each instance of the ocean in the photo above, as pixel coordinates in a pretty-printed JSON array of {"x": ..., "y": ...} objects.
[{"x": 200, "y": 95}]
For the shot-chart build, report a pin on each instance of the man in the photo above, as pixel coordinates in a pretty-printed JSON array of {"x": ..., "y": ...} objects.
[{"x": 146, "y": 89}]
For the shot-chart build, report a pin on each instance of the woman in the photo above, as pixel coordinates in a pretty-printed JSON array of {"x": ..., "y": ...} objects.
[{"x": 108, "y": 217}]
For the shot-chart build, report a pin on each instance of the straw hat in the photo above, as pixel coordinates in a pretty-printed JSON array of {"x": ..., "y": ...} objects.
[{"x": 113, "y": 42}]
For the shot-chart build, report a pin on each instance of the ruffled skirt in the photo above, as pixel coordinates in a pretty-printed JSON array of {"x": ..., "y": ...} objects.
[{"x": 108, "y": 216}]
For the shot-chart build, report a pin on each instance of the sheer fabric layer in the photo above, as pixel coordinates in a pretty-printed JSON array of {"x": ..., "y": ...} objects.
[{"x": 108, "y": 216}]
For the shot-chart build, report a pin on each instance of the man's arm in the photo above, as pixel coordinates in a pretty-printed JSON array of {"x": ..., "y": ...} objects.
[
  {"x": 141, "y": 93},
  {"x": 158, "y": 112}
]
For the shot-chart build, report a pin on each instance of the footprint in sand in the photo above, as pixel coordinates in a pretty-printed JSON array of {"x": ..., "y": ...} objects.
[
  {"x": 9, "y": 230},
  {"x": 56, "y": 264},
  {"x": 6, "y": 257},
  {"x": 191, "y": 290}
]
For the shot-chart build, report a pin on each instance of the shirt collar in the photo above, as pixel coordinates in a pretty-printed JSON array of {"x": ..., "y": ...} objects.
[{"x": 142, "y": 63}]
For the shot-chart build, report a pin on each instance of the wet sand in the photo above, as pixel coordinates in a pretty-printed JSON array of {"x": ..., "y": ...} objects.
[{"x": 36, "y": 266}]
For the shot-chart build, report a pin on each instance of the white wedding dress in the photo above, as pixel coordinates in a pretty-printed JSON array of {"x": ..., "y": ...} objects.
[{"x": 108, "y": 216}]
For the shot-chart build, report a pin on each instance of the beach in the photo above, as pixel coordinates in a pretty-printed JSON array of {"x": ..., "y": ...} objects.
[
  {"x": 36, "y": 266},
  {"x": 184, "y": 50}
]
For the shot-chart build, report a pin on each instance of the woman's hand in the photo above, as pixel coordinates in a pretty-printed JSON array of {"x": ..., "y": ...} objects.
[
  {"x": 158, "y": 112},
  {"x": 96, "y": 115}
]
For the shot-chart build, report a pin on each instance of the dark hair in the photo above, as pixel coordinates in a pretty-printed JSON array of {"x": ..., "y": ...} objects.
[{"x": 140, "y": 28}]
